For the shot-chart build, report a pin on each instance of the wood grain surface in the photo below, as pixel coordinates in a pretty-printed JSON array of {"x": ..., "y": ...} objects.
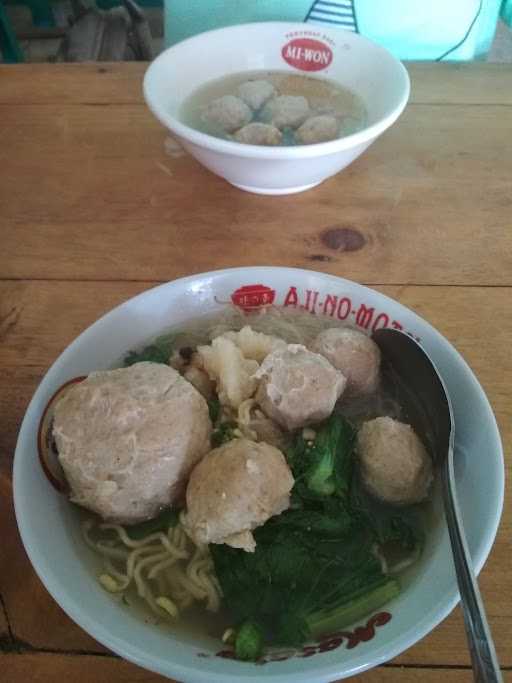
[
  {"x": 95, "y": 209},
  {"x": 431, "y": 209},
  {"x": 43, "y": 667},
  {"x": 121, "y": 83}
]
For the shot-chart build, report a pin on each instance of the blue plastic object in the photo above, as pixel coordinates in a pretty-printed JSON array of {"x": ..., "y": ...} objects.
[{"x": 9, "y": 46}]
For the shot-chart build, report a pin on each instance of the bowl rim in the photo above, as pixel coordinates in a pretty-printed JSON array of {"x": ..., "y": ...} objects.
[
  {"x": 233, "y": 148},
  {"x": 132, "y": 652}
]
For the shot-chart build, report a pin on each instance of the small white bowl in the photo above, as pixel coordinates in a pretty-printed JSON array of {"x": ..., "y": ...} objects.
[
  {"x": 49, "y": 524},
  {"x": 345, "y": 57}
]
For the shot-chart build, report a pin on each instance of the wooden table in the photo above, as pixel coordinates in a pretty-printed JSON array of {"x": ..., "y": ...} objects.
[{"x": 94, "y": 210}]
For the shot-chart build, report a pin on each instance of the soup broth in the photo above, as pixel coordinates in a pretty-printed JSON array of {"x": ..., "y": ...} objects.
[{"x": 289, "y": 109}]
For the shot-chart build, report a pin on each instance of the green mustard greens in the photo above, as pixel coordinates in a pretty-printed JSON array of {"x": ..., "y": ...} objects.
[
  {"x": 315, "y": 568},
  {"x": 158, "y": 352}
]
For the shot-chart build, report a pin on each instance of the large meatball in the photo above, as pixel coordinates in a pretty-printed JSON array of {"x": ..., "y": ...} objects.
[
  {"x": 259, "y": 134},
  {"x": 354, "y": 354},
  {"x": 298, "y": 387},
  {"x": 256, "y": 93},
  {"x": 319, "y": 128},
  {"x": 286, "y": 111},
  {"x": 234, "y": 489},
  {"x": 395, "y": 465},
  {"x": 228, "y": 113},
  {"x": 128, "y": 438}
]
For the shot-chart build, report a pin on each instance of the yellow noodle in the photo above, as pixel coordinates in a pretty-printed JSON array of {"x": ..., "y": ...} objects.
[
  {"x": 144, "y": 541},
  {"x": 168, "y": 571},
  {"x": 119, "y": 576},
  {"x": 161, "y": 584},
  {"x": 180, "y": 578},
  {"x": 160, "y": 566},
  {"x": 142, "y": 586}
]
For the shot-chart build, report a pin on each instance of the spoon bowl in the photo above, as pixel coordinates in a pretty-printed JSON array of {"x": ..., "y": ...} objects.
[{"x": 413, "y": 377}]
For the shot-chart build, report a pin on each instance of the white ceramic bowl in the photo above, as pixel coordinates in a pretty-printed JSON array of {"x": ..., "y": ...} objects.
[
  {"x": 49, "y": 525},
  {"x": 345, "y": 57}
]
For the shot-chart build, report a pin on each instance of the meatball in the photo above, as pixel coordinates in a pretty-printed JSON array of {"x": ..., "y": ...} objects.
[
  {"x": 127, "y": 440},
  {"x": 394, "y": 464},
  {"x": 317, "y": 129},
  {"x": 259, "y": 134},
  {"x": 354, "y": 354},
  {"x": 298, "y": 387},
  {"x": 286, "y": 111},
  {"x": 256, "y": 93},
  {"x": 234, "y": 489},
  {"x": 229, "y": 113}
]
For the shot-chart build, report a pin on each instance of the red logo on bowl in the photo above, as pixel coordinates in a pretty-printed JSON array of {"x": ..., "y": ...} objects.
[
  {"x": 252, "y": 297},
  {"x": 332, "y": 641},
  {"x": 307, "y": 54}
]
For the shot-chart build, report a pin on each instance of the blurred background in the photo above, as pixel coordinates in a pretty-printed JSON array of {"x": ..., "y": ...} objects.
[{"x": 80, "y": 30}]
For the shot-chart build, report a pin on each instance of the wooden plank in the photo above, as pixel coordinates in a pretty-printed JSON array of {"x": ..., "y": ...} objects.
[
  {"x": 432, "y": 203},
  {"x": 105, "y": 83},
  {"x": 35, "y": 619},
  {"x": 47, "y": 668},
  {"x": 5, "y": 637},
  {"x": 40, "y": 318},
  {"x": 473, "y": 83}
]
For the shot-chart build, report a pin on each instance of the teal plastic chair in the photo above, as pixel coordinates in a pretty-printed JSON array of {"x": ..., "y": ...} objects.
[{"x": 9, "y": 46}]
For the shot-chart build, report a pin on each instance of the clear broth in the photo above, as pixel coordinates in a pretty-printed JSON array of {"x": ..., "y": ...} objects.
[{"x": 324, "y": 97}]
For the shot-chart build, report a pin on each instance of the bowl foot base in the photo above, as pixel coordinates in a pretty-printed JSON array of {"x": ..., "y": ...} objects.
[{"x": 275, "y": 191}]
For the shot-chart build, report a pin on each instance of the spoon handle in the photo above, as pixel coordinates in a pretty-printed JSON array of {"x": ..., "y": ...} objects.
[{"x": 481, "y": 646}]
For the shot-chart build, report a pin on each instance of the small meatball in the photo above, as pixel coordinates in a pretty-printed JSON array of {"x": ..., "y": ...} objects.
[
  {"x": 395, "y": 465},
  {"x": 354, "y": 354},
  {"x": 286, "y": 111},
  {"x": 298, "y": 387},
  {"x": 256, "y": 93},
  {"x": 228, "y": 113},
  {"x": 127, "y": 440},
  {"x": 317, "y": 129},
  {"x": 259, "y": 134},
  {"x": 234, "y": 489}
]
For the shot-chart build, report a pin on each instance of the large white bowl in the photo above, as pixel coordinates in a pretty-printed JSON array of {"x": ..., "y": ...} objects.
[
  {"x": 356, "y": 63},
  {"x": 49, "y": 525}
]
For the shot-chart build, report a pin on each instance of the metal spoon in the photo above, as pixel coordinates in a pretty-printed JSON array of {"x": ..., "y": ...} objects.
[{"x": 414, "y": 379}]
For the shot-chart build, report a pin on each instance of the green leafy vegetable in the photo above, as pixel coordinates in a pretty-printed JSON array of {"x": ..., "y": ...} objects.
[
  {"x": 390, "y": 525},
  {"x": 297, "y": 577},
  {"x": 370, "y": 599},
  {"x": 315, "y": 568},
  {"x": 214, "y": 408},
  {"x": 249, "y": 642},
  {"x": 164, "y": 520},
  {"x": 323, "y": 467},
  {"x": 157, "y": 352}
]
